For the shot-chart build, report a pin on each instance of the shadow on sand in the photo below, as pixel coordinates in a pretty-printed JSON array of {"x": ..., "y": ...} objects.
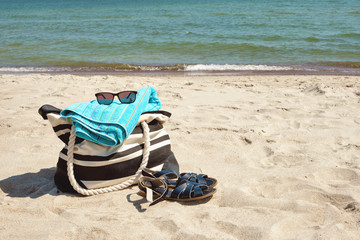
[{"x": 33, "y": 185}]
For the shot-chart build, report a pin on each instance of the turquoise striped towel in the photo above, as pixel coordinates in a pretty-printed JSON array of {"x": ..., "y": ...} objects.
[{"x": 110, "y": 124}]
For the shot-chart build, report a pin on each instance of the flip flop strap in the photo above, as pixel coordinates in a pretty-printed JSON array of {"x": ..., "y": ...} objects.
[
  {"x": 161, "y": 194},
  {"x": 193, "y": 177},
  {"x": 188, "y": 189},
  {"x": 177, "y": 192},
  {"x": 170, "y": 176}
]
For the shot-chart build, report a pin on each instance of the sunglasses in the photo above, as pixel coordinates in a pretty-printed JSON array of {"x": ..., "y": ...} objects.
[{"x": 107, "y": 98}]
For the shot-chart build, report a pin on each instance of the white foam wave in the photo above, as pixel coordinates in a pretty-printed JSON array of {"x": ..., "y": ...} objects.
[
  {"x": 234, "y": 67},
  {"x": 189, "y": 68},
  {"x": 30, "y": 69}
]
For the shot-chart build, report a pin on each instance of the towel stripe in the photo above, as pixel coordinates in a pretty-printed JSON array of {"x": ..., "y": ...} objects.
[
  {"x": 122, "y": 113},
  {"x": 101, "y": 116},
  {"x": 118, "y": 118},
  {"x": 103, "y": 113},
  {"x": 137, "y": 106},
  {"x": 76, "y": 106},
  {"x": 113, "y": 112},
  {"x": 85, "y": 108},
  {"x": 94, "y": 110}
]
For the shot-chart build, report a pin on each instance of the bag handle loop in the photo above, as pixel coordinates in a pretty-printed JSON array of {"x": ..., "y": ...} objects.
[{"x": 133, "y": 180}]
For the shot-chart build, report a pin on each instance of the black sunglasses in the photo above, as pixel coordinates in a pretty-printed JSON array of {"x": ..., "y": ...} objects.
[{"x": 107, "y": 98}]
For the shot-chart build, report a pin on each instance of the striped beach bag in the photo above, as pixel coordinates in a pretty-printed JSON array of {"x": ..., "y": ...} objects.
[{"x": 91, "y": 168}]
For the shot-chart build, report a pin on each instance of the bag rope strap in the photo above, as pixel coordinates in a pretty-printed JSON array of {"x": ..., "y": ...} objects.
[{"x": 133, "y": 180}]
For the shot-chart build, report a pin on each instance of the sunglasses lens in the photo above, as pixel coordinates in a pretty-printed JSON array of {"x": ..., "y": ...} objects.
[
  {"x": 127, "y": 97},
  {"x": 104, "y": 98}
]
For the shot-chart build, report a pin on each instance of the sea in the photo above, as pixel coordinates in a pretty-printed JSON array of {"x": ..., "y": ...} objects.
[{"x": 187, "y": 36}]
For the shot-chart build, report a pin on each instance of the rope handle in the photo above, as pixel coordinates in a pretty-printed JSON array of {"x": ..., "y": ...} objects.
[{"x": 133, "y": 180}]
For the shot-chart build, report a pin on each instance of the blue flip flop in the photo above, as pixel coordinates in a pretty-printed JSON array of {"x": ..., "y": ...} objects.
[
  {"x": 157, "y": 189},
  {"x": 173, "y": 178}
]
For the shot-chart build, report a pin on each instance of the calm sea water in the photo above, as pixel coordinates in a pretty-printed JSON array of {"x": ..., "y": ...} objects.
[{"x": 232, "y": 34}]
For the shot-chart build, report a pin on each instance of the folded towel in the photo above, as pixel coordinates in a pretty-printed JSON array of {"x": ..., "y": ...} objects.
[{"x": 110, "y": 124}]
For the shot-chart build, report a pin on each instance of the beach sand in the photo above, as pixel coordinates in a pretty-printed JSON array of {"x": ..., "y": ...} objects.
[{"x": 285, "y": 150}]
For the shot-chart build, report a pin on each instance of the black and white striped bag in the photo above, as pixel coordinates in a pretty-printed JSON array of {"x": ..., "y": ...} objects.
[{"x": 90, "y": 168}]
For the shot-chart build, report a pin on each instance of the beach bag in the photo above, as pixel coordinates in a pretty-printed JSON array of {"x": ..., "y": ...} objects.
[{"x": 91, "y": 168}]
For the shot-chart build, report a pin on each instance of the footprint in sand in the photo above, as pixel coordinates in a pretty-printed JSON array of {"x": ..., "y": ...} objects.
[
  {"x": 337, "y": 176},
  {"x": 316, "y": 89},
  {"x": 287, "y": 161},
  {"x": 272, "y": 159},
  {"x": 168, "y": 226},
  {"x": 88, "y": 233},
  {"x": 239, "y": 232},
  {"x": 293, "y": 189}
]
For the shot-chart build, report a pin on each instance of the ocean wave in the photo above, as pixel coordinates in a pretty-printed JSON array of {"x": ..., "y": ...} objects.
[
  {"x": 126, "y": 67},
  {"x": 350, "y": 68},
  {"x": 33, "y": 69},
  {"x": 234, "y": 67},
  {"x": 91, "y": 67}
]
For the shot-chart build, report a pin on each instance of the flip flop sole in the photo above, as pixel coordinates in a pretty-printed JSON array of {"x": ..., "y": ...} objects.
[{"x": 211, "y": 182}]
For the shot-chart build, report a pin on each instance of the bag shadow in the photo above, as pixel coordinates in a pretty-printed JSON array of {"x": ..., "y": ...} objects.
[{"x": 33, "y": 185}]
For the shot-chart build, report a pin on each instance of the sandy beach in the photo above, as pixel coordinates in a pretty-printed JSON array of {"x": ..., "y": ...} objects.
[{"x": 285, "y": 150}]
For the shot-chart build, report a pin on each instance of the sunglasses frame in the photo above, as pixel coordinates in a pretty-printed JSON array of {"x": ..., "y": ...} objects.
[{"x": 113, "y": 96}]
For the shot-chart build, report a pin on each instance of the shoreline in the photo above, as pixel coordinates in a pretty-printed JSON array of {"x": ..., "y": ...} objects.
[
  {"x": 339, "y": 69},
  {"x": 192, "y": 73}
]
